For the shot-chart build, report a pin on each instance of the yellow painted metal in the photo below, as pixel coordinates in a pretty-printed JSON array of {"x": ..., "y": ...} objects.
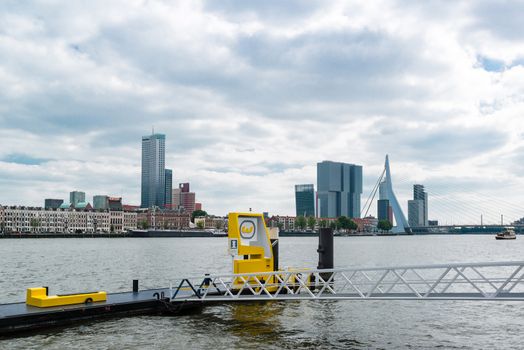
[
  {"x": 38, "y": 297},
  {"x": 250, "y": 245}
]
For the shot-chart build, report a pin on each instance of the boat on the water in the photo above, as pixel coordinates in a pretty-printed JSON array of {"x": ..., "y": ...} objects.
[{"x": 507, "y": 233}]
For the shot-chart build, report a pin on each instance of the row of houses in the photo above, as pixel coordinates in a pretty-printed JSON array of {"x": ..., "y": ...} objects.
[
  {"x": 37, "y": 219},
  {"x": 288, "y": 223}
]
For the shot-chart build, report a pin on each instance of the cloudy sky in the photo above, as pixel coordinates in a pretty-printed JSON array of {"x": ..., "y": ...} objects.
[{"x": 251, "y": 94}]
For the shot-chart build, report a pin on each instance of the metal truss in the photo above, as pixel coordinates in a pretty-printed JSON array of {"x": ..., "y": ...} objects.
[{"x": 476, "y": 281}]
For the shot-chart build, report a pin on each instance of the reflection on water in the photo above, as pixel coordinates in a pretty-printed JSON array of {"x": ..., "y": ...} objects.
[{"x": 69, "y": 265}]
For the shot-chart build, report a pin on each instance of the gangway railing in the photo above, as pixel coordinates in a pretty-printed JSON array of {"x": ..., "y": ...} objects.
[{"x": 470, "y": 281}]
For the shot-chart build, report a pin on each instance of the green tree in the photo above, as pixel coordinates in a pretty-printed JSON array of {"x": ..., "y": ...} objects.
[
  {"x": 200, "y": 224},
  {"x": 143, "y": 225},
  {"x": 112, "y": 228},
  {"x": 280, "y": 226},
  {"x": 311, "y": 222},
  {"x": 384, "y": 225},
  {"x": 323, "y": 223},
  {"x": 197, "y": 213},
  {"x": 333, "y": 225},
  {"x": 300, "y": 222},
  {"x": 219, "y": 224},
  {"x": 34, "y": 223}
]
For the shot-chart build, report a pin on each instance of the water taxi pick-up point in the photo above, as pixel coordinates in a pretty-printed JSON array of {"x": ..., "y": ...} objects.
[{"x": 39, "y": 297}]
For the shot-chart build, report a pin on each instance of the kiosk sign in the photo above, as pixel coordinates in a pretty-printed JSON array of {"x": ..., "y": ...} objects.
[{"x": 233, "y": 247}]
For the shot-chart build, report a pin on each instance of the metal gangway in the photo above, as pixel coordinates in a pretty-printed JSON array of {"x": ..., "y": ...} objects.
[{"x": 470, "y": 281}]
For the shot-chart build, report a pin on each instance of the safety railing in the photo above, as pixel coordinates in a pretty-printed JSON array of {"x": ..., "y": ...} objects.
[{"x": 473, "y": 281}]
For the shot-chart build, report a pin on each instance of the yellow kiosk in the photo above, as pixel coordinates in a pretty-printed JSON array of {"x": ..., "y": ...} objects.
[{"x": 250, "y": 246}]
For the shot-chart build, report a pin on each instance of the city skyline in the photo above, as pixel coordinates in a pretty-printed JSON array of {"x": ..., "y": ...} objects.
[{"x": 272, "y": 90}]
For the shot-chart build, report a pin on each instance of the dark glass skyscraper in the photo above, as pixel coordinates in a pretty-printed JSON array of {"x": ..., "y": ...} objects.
[
  {"x": 339, "y": 187},
  {"x": 153, "y": 171},
  {"x": 418, "y": 207},
  {"x": 305, "y": 200},
  {"x": 169, "y": 189}
]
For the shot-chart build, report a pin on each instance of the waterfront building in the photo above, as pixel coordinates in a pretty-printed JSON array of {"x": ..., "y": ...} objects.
[
  {"x": 305, "y": 200},
  {"x": 169, "y": 189},
  {"x": 164, "y": 219},
  {"x": 100, "y": 202},
  {"x": 69, "y": 220},
  {"x": 153, "y": 171},
  {"x": 2, "y": 219},
  {"x": 175, "y": 202},
  {"x": 53, "y": 203},
  {"x": 76, "y": 197},
  {"x": 418, "y": 207},
  {"x": 211, "y": 222},
  {"x": 339, "y": 187}
]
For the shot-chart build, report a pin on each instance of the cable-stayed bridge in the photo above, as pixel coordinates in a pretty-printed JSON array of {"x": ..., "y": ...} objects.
[{"x": 455, "y": 205}]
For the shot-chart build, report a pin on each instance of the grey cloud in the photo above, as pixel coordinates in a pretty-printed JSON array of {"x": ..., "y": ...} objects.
[
  {"x": 502, "y": 18},
  {"x": 432, "y": 145},
  {"x": 270, "y": 10}
]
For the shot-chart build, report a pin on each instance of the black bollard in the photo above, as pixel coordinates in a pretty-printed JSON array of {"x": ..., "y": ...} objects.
[
  {"x": 274, "y": 247},
  {"x": 325, "y": 251},
  {"x": 135, "y": 286}
]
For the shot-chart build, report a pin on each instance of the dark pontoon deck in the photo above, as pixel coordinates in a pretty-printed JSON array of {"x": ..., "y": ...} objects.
[{"x": 19, "y": 317}]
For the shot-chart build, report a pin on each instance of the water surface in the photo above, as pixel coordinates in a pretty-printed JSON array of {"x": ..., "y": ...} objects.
[{"x": 71, "y": 265}]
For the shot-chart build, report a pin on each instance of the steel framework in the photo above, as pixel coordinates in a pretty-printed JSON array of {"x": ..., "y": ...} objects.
[{"x": 473, "y": 281}]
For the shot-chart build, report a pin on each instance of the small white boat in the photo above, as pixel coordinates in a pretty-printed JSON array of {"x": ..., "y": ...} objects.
[{"x": 508, "y": 233}]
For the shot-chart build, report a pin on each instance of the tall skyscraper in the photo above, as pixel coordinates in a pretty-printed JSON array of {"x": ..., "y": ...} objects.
[
  {"x": 169, "y": 189},
  {"x": 305, "y": 200},
  {"x": 153, "y": 171},
  {"x": 339, "y": 187},
  {"x": 76, "y": 197},
  {"x": 418, "y": 207}
]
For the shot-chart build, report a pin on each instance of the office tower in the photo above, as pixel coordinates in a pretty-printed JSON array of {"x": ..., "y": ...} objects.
[
  {"x": 76, "y": 197},
  {"x": 53, "y": 203},
  {"x": 187, "y": 200},
  {"x": 305, "y": 200},
  {"x": 384, "y": 210},
  {"x": 175, "y": 201},
  {"x": 100, "y": 202},
  {"x": 339, "y": 187},
  {"x": 169, "y": 189},
  {"x": 153, "y": 171},
  {"x": 418, "y": 207},
  {"x": 198, "y": 206}
]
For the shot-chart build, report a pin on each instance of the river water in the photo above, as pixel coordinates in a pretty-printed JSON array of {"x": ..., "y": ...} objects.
[{"x": 72, "y": 265}]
